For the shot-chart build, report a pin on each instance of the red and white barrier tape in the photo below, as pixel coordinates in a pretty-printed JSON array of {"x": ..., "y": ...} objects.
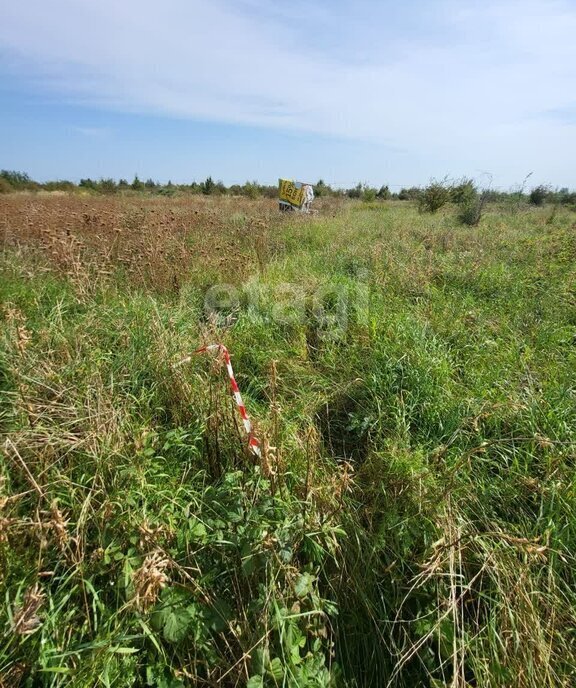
[{"x": 253, "y": 443}]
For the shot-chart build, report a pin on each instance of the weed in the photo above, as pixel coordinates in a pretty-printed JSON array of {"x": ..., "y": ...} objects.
[{"x": 411, "y": 519}]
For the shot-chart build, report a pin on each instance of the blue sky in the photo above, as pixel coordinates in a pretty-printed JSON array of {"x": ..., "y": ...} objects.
[{"x": 345, "y": 90}]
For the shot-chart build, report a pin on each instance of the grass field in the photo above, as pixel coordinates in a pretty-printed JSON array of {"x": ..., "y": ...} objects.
[{"x": 412, "y": 520}]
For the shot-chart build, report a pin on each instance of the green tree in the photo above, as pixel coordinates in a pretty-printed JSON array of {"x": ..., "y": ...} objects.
[
  {"x": 207, "y": 187},
  {"x": 368, "y": 194},
  {"x": 411, "y": 194},
  {"x": 251, "y": 189},
  {"x": 88, "y": 184},
  {"x": 107, "y": 186},
  {"x": 356, "y": 192},
  {"x": 539, "y": 194},
  {"x": 5, "y": 186},
  {"x": 19, "y": 181},
  {"x": 59, "y": 185},
  {"x": 322, "y": 189}
]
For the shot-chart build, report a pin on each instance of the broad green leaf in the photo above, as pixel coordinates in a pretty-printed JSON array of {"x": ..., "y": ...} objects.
[
  {"x": 176, "y": 625},
  {"x": 304, "y": 585},
  {"x": 255, "y": 682},
  {"x": 276, "y": 668}
]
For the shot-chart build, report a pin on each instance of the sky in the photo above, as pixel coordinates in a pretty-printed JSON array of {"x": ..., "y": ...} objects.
[{"x": 348, "y": 91}]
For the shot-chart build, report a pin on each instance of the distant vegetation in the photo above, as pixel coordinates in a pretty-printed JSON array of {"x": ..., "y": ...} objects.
[{"x": 431, "y": 198}]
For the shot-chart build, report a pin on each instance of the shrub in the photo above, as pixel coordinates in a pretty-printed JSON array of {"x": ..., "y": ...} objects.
[
  {"x": 434, "y": 196},
  {"x": 137, "y": 185},
  {"x": 538, "y": 195},
  {"x": 356, "y": 192},
  {"x": 59, "y": 185},
  {"x": 107, "y": 186},
  {"x": 464, "y": 192},
  {"x": 5, "y": 186},
  {"x": 384, "y": 193},
  {"x": 322, "y": 189},
  {"x": 564, "y": 196},
  {"x": 208, "y": 186},
  {"x": 193, "y": 188},
  {"x": 19, "y": 181},
  {"x": 411, "y": 194},
  {"x": 88, "y": 184},
  {"x": 251, "y": 189},
  {"x": 269, "y": 191},
  {"x": 470, "y": 214},
  {"x": 368, "y": 195}
]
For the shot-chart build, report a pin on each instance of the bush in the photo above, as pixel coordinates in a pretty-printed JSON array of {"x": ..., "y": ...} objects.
[
  {"x": 88, "y": 184},
  {"x": 564, "y": 196},
  {"x": 59, "y": 185},
  {"x": 208, "y": 186},
  {"x": 107, "y": 186},
  {"x": 251, "y": 189},
  {"x": 464, "y": 192},
  {"x": 384, "y": 193},
  {"x": 470, "y": 214},
  {"x": 5, "y": 186},
  {"x": 369, "y": 195},
  {"x": 434, "y": 196},
  {"x": 269, "y": 191},
  {"x": 538, "y": 195},
  {"x": 19, "y": 181},
  {"x": 411, "y": 194},
  {"x": 322, "y": 189},
  {"x": 356, "y": 192}
]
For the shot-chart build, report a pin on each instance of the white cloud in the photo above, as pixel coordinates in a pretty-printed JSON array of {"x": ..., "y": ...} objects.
[{"x": 478, "y": 83}]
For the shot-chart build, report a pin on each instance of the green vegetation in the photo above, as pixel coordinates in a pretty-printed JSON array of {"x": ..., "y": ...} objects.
[
  {"x": 463, "y": 192},
  {"x": 412, "y": 521},
  {"x": 538, "y": 195},
  {"x": 434, "y": 197}
]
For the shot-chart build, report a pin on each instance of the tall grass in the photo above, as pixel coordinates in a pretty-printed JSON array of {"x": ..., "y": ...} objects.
[{"x": 411, "y": 521}]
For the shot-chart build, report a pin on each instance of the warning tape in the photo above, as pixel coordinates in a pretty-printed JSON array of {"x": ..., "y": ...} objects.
[{"x": 253, "y": 443}]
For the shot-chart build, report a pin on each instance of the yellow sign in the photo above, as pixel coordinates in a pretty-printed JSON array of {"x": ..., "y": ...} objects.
[{"x": 291, "y": 192}]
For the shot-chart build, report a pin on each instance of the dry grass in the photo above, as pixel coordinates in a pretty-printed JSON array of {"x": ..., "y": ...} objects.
[{"x": 157, "y": 243}]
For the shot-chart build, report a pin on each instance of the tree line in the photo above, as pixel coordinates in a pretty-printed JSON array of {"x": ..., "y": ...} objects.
[{"x": 430, "y": 198}]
